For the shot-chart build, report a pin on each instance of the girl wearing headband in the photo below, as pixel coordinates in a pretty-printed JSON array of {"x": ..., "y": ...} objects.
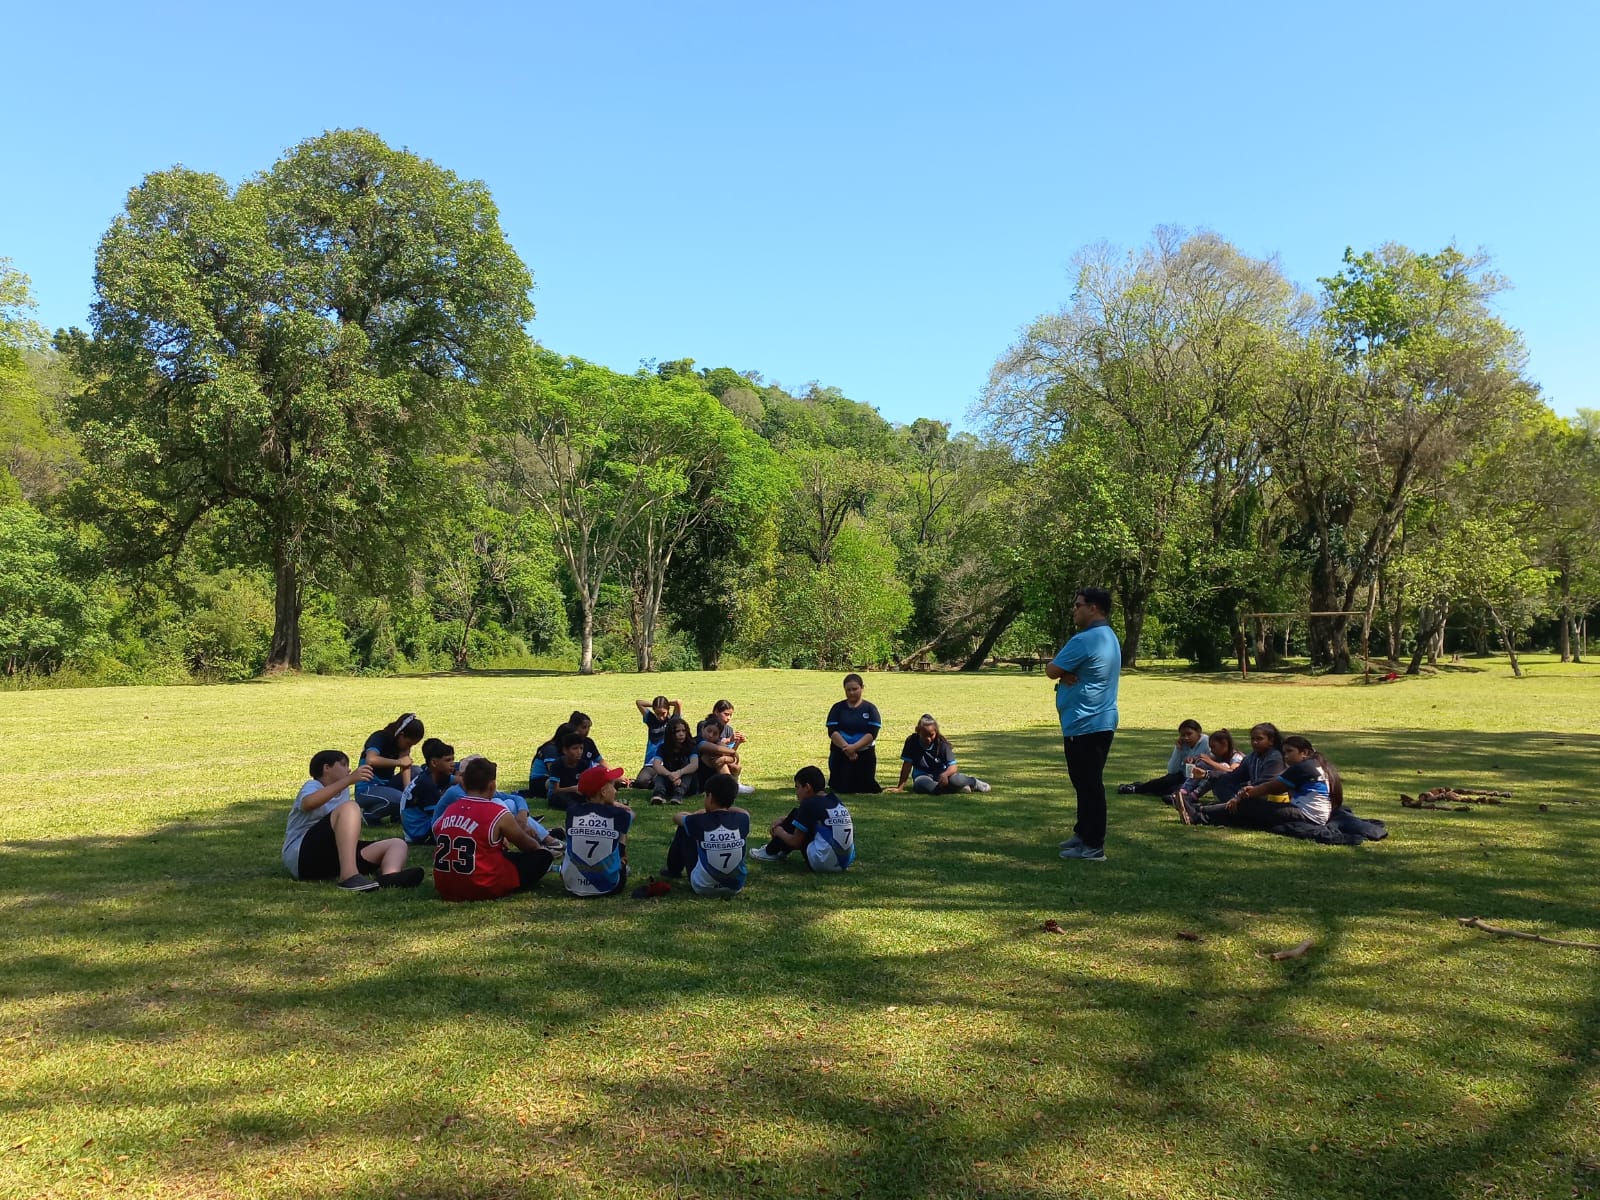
[{"x": 388, "y": 753}]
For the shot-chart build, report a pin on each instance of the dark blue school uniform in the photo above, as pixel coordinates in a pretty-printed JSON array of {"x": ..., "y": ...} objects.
[
  {"x": 711, "y": 845},
  {"x": 847, "y": 775}
]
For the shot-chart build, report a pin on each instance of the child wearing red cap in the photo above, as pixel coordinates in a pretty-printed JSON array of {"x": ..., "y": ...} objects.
[{"x": 596, "y": 862}]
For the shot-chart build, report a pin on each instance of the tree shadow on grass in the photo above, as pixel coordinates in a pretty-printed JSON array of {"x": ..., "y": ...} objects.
[{"x": 190, "y": 930}]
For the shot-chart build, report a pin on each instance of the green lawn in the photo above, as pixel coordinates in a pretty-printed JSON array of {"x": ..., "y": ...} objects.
[{"x": 181, "y": 1019}]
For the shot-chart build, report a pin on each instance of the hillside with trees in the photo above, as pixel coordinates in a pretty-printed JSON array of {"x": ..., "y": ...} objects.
[{"x": 307, "y": 427}]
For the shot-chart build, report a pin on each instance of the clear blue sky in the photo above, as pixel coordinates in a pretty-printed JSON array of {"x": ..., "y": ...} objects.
[{"x": 873, "y": 196}]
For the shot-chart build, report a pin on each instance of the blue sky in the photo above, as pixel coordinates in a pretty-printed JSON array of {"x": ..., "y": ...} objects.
[{"x": 873, "y": 196}]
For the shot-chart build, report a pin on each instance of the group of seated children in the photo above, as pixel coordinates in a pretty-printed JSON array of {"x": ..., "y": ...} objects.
[
  {"x": 487, "y": 844},
  {"x": 678, "y": 761},
  {"x": 1284, "y": 785}
]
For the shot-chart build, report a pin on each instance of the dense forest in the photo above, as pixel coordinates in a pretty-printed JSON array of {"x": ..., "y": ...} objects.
[{"x": 307, "y": 428}]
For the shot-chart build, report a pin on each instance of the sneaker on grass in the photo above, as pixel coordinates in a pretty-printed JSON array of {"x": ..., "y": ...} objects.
[
  {"x": 408, "y": 877},
  {"x": 1091, "y": 853},
  {"x": 746, "y": 789},
  {"x": 1127, "y": 789},
  {"x": 762, "y": 854},
  {"x": 1186, "y": 809},
  {"x": 979, "y": 785},
  {"x": 358, "y": 883},
  {"x": 1072, "y": 843}
]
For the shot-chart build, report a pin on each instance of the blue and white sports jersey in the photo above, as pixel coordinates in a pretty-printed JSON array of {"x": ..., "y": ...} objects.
[
  {"x": 593, "y": 864},
  {"x": 719, "y": 838},
  {"x": 654, "y": 727},
  {"x": 833, "y": 840},
  {"x": 1308, "y": 790},
  {"x": 418, "y": 805},
  {"x": 539, "y": 768}
]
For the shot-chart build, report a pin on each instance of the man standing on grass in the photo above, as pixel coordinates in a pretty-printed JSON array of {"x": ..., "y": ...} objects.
[{"x": 1086, "y": 673}]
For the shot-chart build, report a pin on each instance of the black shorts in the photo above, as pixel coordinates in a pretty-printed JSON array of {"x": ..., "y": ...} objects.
[
  {"x": 319, "y": 853},
  {"x": 532, "y": 866}
]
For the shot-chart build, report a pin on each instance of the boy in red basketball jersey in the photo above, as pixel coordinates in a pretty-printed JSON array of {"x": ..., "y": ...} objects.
[{"x": 470, "y": 858}]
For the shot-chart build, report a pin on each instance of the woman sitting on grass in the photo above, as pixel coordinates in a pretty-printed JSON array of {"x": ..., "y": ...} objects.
[{"x": 929, "y": 761}]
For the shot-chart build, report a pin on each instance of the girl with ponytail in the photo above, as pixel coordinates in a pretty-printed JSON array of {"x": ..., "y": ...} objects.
[
  {"x": 388, "y": 753},
  {"x": 1309, "y": 780}
]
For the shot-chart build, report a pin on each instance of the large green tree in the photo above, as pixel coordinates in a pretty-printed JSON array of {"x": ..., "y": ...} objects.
[
  {"x": 290, "y": 353},
  {"x": 1406, "y": 373},
  {"x": 1150, "y": 370},
  {"x": 625, "y": 468}
]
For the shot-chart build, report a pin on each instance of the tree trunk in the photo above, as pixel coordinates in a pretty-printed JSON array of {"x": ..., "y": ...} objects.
[
  {"x": 284, "y": 652},
  {"x": 1507, "y": 641},
  {"x": 467, "y": 622},
  {"x": 1009, "y": 612},
  {"x": 1325, "y": 636},
  {"x": 1429, "y": 622},
  {"x": 1566, "y": 618},
  {"x": 586, "y": 643},
  {"x": 1266, "y": 648},
  {"x": 1135, "y": 599}
]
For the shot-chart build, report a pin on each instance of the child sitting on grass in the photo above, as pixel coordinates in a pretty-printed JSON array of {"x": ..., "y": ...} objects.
[
  {"x": 323, "y": 839},
  {"x": 929, "y": 761},
  {"x": 388, "y": 752},
  {"x": 596, "y": 863},
  {"x": 470, "y": 859},
  {"x": 421, "y": 799},
  {"x": 562, "y": 785},
  {"x": 710, "y": 844},
  {"x": 1191, "y": 744},
  {"x": 1208, "y": 768},
  {"x": 1309, "y": 780},
  {"x": 819, "y": 824},
  {"x": 675, "y": 767},
  {"x": 655, "y": 714}
]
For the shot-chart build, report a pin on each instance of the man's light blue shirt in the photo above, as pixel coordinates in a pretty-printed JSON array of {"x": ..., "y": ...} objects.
[{"x": 1094, "y": 655}]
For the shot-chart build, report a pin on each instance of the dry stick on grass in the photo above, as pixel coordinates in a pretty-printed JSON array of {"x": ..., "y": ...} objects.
[
  {"x": 1293, "y": 952},
  {"x": 1480, "y": 923}
]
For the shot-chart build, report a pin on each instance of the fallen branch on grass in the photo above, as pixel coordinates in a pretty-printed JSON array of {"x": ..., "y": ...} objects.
[
  {"x": 1461, "y": 795},
  {"x": 1423, "y": 801},
  {"x": 1293, "y": 952},
  {"x": 1480, "y": 923}
]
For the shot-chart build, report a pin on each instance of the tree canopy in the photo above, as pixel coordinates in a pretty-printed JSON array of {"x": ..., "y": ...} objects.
[{"x": 307, "y": 427}]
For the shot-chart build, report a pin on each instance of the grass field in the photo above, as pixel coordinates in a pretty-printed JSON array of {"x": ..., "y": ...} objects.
[{"x": 181, "y": 1019}]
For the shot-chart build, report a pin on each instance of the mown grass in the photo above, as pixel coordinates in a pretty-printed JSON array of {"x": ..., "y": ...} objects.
[{"x": 180, "y": 1019}]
